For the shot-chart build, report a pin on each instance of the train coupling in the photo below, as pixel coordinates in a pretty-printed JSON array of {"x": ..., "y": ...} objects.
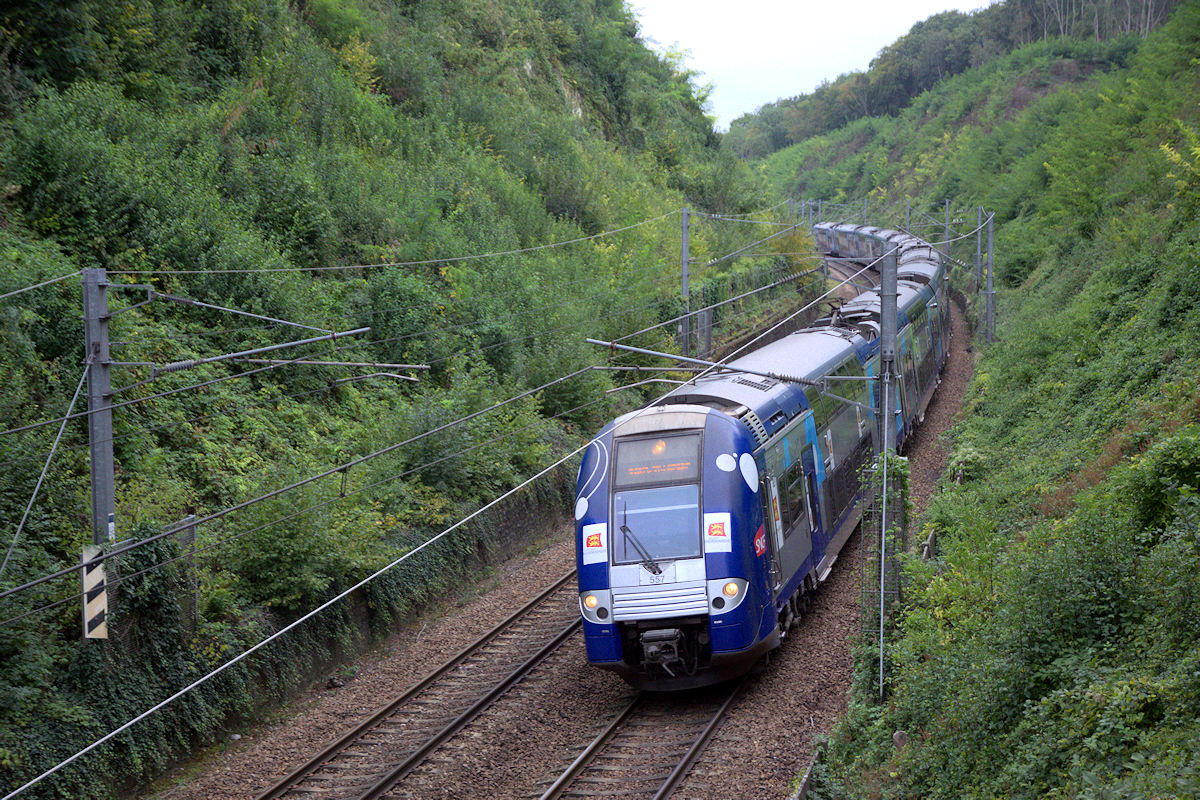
[{"x": 662, "y": 647}]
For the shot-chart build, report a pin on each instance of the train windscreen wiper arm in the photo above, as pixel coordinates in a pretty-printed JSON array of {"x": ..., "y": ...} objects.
[{"x": 647, "y": 560}]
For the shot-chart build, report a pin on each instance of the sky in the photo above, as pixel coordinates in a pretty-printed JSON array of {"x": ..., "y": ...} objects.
[{"x": 757, "y": 51}]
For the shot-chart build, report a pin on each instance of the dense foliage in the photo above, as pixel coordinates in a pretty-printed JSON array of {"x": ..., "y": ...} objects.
[
  {"x": 1049, "y": 650},
  {"x": 937, "y": 48},
  {"x": 293, "y": 160}
]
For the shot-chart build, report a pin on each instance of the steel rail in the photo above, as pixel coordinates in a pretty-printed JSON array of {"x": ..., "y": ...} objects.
[
  {"x": 285, "y": 785},
  {"x": 585, "y": 758},
  {"x": 579, "y": 766},
  {"x": 401, "y": 770},
  {"x": 689, "y": 758}
]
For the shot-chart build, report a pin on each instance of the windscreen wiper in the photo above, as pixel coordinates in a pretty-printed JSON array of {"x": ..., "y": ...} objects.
[{"x": 647, "y": 560}]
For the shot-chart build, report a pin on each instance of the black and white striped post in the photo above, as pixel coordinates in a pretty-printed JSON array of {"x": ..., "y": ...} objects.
[{"x": 95, "y": 595}]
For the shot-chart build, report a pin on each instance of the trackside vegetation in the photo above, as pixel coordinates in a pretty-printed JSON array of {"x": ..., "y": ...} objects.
[
  {"x": 1049, "y": 650},
  {"x": 325, "y": 163}
]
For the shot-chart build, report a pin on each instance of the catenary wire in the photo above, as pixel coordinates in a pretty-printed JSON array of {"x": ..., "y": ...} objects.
[
  {"x": 363, "y": 313},
  {"x": 366, "y": 313},
  {"x": 776, "y": 284},
  {"x": 169, "y": 392},
  {"x": 247, "y": 373}
]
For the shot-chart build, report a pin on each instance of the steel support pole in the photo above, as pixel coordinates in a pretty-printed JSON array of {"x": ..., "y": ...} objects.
[
  {"x": 946, "y": 231},
  {"x": 991, "y": 292},
  {"x": 100, "y": 431},
  {"x": 978, "y": 247},
  {"x": 887, "y": 359},
  {"x": 820, "y": 211},
  {"x": 685, "y": 325}
]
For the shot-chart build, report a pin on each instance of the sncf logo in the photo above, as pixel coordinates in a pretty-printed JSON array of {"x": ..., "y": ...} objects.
[
  {"x": 717, "y": 530},
  {"x": 593, "y": 540},
  {"x": 760, "y": 542}
]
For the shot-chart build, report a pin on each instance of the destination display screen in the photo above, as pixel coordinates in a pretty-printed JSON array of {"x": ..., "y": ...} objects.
[{"x": 658, "y": 460}]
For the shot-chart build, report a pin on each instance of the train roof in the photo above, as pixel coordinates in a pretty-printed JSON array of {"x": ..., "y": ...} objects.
[{"x": 809, "y": 354}]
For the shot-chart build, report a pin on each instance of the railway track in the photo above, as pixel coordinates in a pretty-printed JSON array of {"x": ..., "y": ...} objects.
[
  {"x": 378, "y": 753},
  {"x": 647, "y": 750},
  {"x": 843, "y": 270}
]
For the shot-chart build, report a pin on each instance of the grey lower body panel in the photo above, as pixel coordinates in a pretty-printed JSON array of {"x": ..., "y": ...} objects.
[{"x": 724, "y": 667}]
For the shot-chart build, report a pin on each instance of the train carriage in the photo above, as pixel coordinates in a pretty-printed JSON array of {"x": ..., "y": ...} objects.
[{"x": 703, "y": 520}]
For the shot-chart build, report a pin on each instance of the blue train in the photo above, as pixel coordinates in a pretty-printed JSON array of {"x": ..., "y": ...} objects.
[{"x": 704, "y": 520}]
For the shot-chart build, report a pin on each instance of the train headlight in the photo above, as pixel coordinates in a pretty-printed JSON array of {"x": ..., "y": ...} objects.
[
  {"x": 726, "y": 594},
  {"x": 596, "y": 606}
]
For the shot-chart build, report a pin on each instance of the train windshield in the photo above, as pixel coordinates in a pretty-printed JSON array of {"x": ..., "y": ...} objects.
[
  {"x": 653, "y": 521},
  {"x": 655, "y": 524}
]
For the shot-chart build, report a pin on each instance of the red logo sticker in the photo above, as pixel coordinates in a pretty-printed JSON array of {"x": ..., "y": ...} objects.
[
  {"x": 593, "y": 540},
  {"x": 717, "y": 530},
  {"x": 760, "y": 542}
]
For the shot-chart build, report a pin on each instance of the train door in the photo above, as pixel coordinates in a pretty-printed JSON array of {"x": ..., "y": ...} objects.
[
  {"x": 769, "y": 490},
  {"x": 795, "y": 517}
]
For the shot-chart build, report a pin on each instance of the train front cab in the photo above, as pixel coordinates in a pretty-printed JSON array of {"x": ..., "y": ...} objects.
[{"x": 672, "y": 555}]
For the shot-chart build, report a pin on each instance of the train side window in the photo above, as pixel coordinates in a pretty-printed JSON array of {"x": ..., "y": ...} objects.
[{"x": 793, "y": 499}]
